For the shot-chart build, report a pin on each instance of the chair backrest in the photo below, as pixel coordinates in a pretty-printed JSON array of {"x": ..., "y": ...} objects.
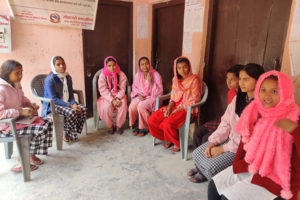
[
  {"x": 37, "y": 85},
  {"x": 204, "y": 92}
]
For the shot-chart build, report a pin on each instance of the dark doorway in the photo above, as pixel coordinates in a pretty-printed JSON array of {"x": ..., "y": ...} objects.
[
  {"x": 112, "y": 37},
  {"x": 167, "y": 36},
  {"x": 240, "y": 32}
]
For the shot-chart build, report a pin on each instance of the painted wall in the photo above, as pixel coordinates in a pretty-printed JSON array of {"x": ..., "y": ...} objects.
[
  {"x": 34, "y": 46},
  {"x": 286, "y": 65}
]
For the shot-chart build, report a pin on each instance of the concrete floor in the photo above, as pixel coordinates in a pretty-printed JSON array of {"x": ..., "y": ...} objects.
[{"x": 101, "y": 166}]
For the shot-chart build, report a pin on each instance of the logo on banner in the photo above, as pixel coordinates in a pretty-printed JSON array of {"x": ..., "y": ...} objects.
[{"x": 54, "y": 18}]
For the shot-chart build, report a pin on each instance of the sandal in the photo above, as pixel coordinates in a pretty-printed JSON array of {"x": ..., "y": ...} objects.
[
  {"x": 142, "y": 133},
  {"x": 36, "y": 161},
  {"x": 167, "y": 145},
  {"x": 192, "y": 172},
  {"x": 135, "y": 131},
  {"x": 196, "y": 179},
  {"x": 111, "y": 131},
  {"x": 19, "y": 169},
  {"x": 175, "y": 149},
  {"x": 120, "y": 131}
]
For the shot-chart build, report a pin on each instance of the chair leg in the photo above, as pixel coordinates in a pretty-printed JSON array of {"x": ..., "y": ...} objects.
[
  {"x": 96, "y": 121},
  {"x": 84, "y": 129},
  {"x": 25, "y": 157},
  {"x": 181, "y": 138},
  {"x": 154, "y": 140},
  {"x": 59, "y": 128},
  {"x": 8, "y": 147}
]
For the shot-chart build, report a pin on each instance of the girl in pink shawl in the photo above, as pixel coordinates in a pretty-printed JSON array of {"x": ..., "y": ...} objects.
[
  {"x": 112, "y": 87},
  {"x": 186, "y": 91},
  {"x": 147, "y": 85}
]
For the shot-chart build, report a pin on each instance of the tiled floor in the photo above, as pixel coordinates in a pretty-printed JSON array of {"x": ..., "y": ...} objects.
[{"x": 101, "y": 166}]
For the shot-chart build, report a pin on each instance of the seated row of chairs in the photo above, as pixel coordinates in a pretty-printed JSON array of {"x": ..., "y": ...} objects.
[{"x": 37, "y": 90}]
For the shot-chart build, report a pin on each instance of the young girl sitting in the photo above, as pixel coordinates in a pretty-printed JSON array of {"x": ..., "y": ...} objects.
[
  {"x": 13, "y": 104},
  {"x": 186, "y": 90},
  {"x": 267, "y": 162},
  {"x": 202, "y": 133},
  {"x": 219, "y": 152},
  {"x": 59, "y": 87},
  {"x": 147, "y": 85},
  {"x": 112, "y": 87}
]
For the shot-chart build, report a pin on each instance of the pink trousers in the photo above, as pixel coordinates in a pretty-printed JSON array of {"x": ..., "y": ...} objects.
[
  {"x": 139, "y": 109},
  {"x": 105, "y": 110}
]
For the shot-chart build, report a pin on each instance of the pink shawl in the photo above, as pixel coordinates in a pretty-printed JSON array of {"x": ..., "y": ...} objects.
[
  {"x": 107, "y": 73},
  {"x": 185, "y": 89},
  {"x": 268, "y": 148},
  {"x": 144, "y": 88}
]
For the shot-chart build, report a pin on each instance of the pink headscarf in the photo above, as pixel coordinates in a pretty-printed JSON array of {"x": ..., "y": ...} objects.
[
  {"x": 107, "y": 73},
  {"x": 183, "y": 89},
  {"x": 269, "y": 148}
]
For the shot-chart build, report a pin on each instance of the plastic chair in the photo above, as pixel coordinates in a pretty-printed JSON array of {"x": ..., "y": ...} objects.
[
  {"x": 95, "y": 97},
  {"x": 37, "y": 90},
  {"x": 185, "y": 127},
  {"x": 23, "y": 145}
]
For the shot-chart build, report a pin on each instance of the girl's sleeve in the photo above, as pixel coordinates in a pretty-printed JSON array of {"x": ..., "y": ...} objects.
[
  {"x": 157, "y": 89},
  {"x": 50, "y": 87},
  {"x": 7, "y": 113},
  {"x": 222, "y": 133},
  {"x": 122, "y": 86},
  {"x": 71, "y": 92},
  {"x": 196, "y": 91},
  {"x": 102, "y": 87}
]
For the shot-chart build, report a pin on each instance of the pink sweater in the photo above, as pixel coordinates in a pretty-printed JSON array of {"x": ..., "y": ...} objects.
[
  {"x": 11, "y": 99},
  {"x": 226, "y": 129}
]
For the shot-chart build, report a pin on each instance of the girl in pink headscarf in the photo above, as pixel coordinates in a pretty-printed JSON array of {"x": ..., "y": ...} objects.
[
  {"x": 147, "y": 85},
  {"x": 112, "y": 87},
  {"x": 186, "y": 91}
]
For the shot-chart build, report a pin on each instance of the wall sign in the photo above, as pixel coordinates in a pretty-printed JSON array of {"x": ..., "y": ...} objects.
[
  {"x": 5, "y": 34},
  {"x": 67, "y": 13}
]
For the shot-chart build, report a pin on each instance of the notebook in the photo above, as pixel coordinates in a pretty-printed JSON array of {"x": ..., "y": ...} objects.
[{"x": 26, "y": 120}]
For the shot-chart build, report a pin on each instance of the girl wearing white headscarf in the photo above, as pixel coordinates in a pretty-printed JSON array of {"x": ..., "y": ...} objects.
[{"x": 59, "y": 87}]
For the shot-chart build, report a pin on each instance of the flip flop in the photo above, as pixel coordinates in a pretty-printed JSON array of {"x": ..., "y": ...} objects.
[
  {"x": 19, "y": 169},
  {"x": 36, "y": 161},
  {"x": 142, "y": 133},
  {"x": 120, "y": 131},
  {"x": 198, "y": 180},
  {"x": 174, "y": 149},
  {"x": 192, "y": 172},
  {"x": 135, "y": 131},
  {"x": 111, "y": 131},
  {"x": 168, "y": 145}
]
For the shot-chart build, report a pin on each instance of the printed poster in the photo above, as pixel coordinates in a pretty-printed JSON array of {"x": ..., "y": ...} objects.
[
  {"x": 61, "y": 13},
  {"x": 5, "y": 34}
]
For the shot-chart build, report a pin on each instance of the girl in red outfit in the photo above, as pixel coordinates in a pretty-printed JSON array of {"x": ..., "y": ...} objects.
[
  {"x": 186, "y": 90},
  {"x": 267, "y": 162}
]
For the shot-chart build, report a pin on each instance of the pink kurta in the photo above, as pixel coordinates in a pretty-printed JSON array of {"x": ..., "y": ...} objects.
[
  {"x": 142, "y": 109},
  {"x": 104, "y": 105}
]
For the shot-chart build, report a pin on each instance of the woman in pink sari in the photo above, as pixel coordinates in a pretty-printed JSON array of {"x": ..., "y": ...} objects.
[
  {"x": 147, "y": 85},
  {"x": 112, "y": 87}
]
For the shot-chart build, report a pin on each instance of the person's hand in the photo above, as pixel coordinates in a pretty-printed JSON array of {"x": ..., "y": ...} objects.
[
  {"x": 167, "y": 112},
  {"x": 207, "y": 151},
  {"x": 27, "y": 112},
  {"x": 215, "y": 151},
  {"x": 150, "y": 75},
  {"x": 141, "y": 97},
  {"x": 35, "y": 107},
  {"x": 118, "y": 102},
  {"x": 76, "y": 108},
  {"x": 114, "y": 103},
  {"x": 286, "y": 124}
]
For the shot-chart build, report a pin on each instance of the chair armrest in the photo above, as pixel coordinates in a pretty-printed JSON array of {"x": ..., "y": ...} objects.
[
  {"x": 9, "y": 121},
  {"x": 160, "y": 99},
  {"x": 80, "y": 96}
]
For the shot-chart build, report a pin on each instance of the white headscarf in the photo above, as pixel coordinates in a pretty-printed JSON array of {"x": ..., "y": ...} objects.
[{"x": 65, "y": 84}]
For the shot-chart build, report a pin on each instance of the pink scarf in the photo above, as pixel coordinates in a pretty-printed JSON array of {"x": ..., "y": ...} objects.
[
  {"x": 107, "y": 73},
  {"x": 141, "y": 86},
  {"x": 268, "y": 148},
  {"x": 183, "y": 89}
]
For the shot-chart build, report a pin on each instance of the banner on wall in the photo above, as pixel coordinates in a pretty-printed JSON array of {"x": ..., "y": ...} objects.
[
  {"x": 5, "y": 34},
  {"x": 61, "y": 13}
]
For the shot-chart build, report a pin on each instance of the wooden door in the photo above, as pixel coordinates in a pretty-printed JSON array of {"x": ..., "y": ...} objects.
[
  {"x": 167, "y": 36},
  {"x": 240, "y": 32},
  {"x": 112, "y": 37}
]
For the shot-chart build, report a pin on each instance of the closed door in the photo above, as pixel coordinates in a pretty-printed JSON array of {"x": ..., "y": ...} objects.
[
  {"x": 167, "y": 37},
  {"x": 112, "y": 37},
  {"x": 242, "y": 32}
]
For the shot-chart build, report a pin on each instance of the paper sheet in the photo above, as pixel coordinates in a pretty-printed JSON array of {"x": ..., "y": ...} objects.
[
  {"x": 193, "y": 16},
  {"x": 142, "y": 20},
  {"x": 187, "y": 42}
]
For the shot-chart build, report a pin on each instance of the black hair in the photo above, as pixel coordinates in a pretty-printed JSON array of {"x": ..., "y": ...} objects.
[
  {"x": 57, "y": 58},
  {"x": 253, "y": 70},
  {"x": 180, "y": 60},
  {"x": 111, "y": 59},
  {"x": 142, "y": 59},
  {"x": 7, "y": 67},
  {"x": 275, "y": 78},
  {"x": 235, "y": 69}
]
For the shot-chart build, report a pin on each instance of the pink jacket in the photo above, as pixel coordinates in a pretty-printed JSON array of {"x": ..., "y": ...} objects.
[
  {"x": 226, "y": 129},
  {"x": 110, "y": 95},
  {"x": 11, "y": 100}
]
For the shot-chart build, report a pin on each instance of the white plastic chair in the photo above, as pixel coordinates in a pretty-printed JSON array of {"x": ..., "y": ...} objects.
[
  {"x": 23, "y": 145},
  {"x": 185, "y": 127},
  {"x": 95, "y": 97},
  {"x": 37, "y": 90}
]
